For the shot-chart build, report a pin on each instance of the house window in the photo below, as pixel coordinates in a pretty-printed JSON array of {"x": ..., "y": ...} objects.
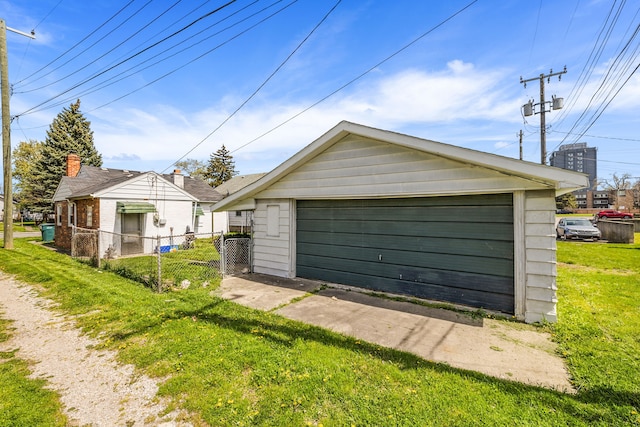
[
  {"x": 72, "y": 214},
  {"x": 89, "y": 216},
  {"x": 273, "y": 220},
  {"x": 238, "y": 213},
  {"x": 59, "y": 214}
]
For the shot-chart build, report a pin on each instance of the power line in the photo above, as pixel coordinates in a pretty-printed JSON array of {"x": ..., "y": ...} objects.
[
  {"x": 77, "y": 44},
  {"x": 129, "y": 58},
  {"x": 123, "y": 74},
  {"x": 601, "y": 137},
  {"x": 198, "y": 57},
  {"x": 90, "y": 62},
  {"x": 47, "y": 15},
  {"x": 350, "y": 82},
  {"x": 255, "y": 92}
]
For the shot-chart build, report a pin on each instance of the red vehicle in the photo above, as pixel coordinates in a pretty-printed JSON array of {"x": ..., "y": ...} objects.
[{"x": 610, "y": 213}]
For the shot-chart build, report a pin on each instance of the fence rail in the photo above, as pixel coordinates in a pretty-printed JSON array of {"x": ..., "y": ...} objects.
[{"x": 163, "y": 262}]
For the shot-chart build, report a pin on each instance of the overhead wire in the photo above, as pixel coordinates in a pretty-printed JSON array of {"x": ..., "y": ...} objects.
[
  {"x": 255, "y": 92},
  {"x": 606, "y": 91},
  {"x": 93, "y": 77},
  {"x": 198, "y": 57},
  {"x": 77, "y": 44},
  {"x": 33, "y": 30},
  {"x": 588, "y": 68},
  {"x": 132, "y": 70},
  {"x": 93, "y": 60},
  {"x": 358, "y": 77}
]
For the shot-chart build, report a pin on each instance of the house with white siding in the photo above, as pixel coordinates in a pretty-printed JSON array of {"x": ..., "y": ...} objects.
[
  {"x": 129, "y": 207},
  {"x": 394, "y": 213}
]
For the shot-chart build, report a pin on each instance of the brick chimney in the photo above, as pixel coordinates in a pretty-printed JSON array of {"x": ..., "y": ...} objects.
[
  {"x": 73, "y": 164},
  {"x": 178, "y": 178}
]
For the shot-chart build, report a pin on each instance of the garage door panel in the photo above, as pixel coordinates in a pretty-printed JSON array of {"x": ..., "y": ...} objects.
[
  {"x": 409, "y": 274},
  {"x": 453, "y": 229},
  {"x": 468, "y": 214},
  {"x": 453, "y": 201},
  {"x": 463, "y": 246},
  {"x": 432, "y": 291},
  {"x": 457, "y": 249},
  {"x": 420, "y": 260}
]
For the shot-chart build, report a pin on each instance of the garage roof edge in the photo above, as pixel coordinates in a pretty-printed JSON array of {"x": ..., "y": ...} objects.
[{"x": 561, "y": 180}]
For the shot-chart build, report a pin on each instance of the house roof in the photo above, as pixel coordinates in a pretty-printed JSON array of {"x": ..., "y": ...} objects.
[
  {"x": 237, "y": 183},
  {"x": 92, "y": 180},
  {"x": 198, "y": 188},
  {"x": 561, "y": 180}
]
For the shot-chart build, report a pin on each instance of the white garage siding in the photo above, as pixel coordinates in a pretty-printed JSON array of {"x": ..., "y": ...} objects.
[
  {"x": 540, "y": 264},
  {"x": 273, "y": 219},
  {"x": 355, "y": 162}
]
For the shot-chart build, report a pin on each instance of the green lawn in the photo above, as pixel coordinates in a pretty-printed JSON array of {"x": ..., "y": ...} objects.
[
  {"x": 21, "y": 226},
  {"x": 23, "y": 401},
  {"x": 229, "y": 365}
]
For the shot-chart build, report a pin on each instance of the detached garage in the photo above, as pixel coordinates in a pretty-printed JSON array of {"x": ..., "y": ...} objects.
[{"x": 404, "y": 215}]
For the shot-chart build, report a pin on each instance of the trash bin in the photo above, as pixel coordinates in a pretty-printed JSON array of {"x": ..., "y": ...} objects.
[{"x": 48, "y": 232}]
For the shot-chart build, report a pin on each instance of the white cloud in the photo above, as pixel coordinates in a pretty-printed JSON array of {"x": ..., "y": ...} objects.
[{"x": 459, "y": 92}]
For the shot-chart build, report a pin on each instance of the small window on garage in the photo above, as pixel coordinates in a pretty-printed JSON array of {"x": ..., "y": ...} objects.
[
  {"x": 273, "y": 220},
  {"x": 238, "y": 213}
]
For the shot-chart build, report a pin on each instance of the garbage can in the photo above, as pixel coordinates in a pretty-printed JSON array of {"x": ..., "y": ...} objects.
[{"x": 48, "y": 232}]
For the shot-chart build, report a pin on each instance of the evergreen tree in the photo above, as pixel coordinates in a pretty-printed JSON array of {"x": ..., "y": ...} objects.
[
  {"x": 221, "y": 167},
  {"x": 69, "y": 133}
]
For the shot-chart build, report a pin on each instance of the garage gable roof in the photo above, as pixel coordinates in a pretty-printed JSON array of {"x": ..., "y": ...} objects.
[{"x": 562, "y": 181}]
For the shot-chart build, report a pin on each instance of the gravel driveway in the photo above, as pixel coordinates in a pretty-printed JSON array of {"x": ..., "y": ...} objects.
[{"x": 95, "y": 389}]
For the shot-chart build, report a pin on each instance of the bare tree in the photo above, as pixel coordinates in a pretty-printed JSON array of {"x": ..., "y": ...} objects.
[{"x": 620, "y": 188}]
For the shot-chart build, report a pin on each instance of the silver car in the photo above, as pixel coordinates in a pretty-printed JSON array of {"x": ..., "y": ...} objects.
[{"x": 577, "y": 228}]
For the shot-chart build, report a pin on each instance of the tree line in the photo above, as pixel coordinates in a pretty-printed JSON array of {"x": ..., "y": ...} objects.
[{"x": 38, "y": 166}]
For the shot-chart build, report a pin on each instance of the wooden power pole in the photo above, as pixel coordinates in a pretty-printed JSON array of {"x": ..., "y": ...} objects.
[{"x": 6, "y": 134}]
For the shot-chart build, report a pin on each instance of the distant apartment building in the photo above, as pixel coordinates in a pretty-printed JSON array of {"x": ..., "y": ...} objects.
[{"x": 578, "y": 157}]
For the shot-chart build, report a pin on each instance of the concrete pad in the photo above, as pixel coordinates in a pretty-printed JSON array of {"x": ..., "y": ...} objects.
[
  {"x": 514, "y": 352},
  {"x": 264, "y": 292}
]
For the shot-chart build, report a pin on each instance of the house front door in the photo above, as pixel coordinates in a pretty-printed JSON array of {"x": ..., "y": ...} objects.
[{"x": 132, "y": 234}]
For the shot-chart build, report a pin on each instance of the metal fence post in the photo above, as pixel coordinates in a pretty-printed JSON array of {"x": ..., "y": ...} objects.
[
  {"x": 97, "y": 247},
  {"x": 158, "y": 255},
  {"x": 223, "y": 255},
  {"x": 251, "y": 246}
]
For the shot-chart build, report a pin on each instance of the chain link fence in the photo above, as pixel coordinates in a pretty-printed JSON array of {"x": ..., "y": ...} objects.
[{"x": 164, "y": 262}]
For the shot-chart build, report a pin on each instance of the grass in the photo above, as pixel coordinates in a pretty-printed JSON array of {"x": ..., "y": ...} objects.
[
  {"x": 225, "y": 364},
  {"x": 601, "y": 319},
  {"x": 24, "y": 401},
  {"x": 194, "y": 265},
  {"x": 21, "y": 226}
]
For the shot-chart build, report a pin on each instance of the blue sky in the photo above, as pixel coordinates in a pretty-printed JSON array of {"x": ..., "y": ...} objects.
[{"x": 157, "y": 89}]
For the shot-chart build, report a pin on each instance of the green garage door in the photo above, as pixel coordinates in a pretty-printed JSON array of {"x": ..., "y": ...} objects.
[{"x": 455, "y": 249}]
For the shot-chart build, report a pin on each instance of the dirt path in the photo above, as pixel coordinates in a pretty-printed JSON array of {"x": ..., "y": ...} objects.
[{"x": 95, "y": 389}]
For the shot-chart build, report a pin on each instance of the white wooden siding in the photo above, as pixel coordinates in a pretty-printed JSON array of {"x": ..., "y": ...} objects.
[
  {"x": 357, "y": 167},
  {"x": 178, "y": 214},
  {"x": 146, "y": 187},
  {"x": 540, "y": 257},
  {"x": 271, "y": 254},
  {"x": 361, "y": 167}
]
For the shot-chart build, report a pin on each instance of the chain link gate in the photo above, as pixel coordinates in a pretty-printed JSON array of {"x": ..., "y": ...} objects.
[
  {"x": 236, "y": 256},
  {"x": 163, "y": 262},
  {"x": 84, "y": 245}
]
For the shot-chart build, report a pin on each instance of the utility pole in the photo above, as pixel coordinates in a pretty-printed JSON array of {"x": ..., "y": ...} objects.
[
  {"x": 6, "y": 133},
  {"x": 556, "y": 104},
  {"x": 520, "y": 135}
]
